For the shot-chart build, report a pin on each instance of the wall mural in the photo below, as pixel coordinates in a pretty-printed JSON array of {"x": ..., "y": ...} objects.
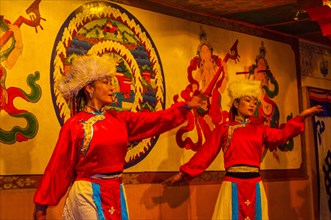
[
  {"x": 11, "y": 48},
  {"x": 105, "y": 28}
]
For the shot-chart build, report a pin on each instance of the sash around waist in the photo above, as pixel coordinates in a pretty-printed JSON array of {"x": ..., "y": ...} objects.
[
  {"x": 243, "y": 175},
  {"x": 243, "y": 172},
  {"x": 117, "y": 176}
]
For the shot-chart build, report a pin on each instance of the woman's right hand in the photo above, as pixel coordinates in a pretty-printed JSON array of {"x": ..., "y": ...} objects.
[
  {"x": 39, "y": 215},
  {"x": 172, "y": 180}
]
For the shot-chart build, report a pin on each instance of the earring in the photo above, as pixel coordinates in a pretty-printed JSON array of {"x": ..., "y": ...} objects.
[{"x": 91, "y": 95}]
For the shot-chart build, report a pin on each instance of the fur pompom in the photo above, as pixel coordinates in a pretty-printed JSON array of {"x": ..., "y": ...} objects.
[
  {"x": 85, "y": 70},
  {"x": 245, "y": 87}
]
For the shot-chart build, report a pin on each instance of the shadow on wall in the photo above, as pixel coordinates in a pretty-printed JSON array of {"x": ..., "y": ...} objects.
[
  {"x": 171, "y": 201},
  {"x": 288, "y": 200}
]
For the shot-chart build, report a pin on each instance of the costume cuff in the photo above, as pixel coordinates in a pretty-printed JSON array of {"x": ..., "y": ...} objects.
[
  {"x": 41, "y": 207},
  {"x": 186, "y": 107}
]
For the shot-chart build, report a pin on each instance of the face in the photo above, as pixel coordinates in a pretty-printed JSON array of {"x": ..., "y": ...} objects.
[
  {"x": 246, "y": 106},
  {"x": 103, "y": 91},
  {"x": 205, "y": 53}
]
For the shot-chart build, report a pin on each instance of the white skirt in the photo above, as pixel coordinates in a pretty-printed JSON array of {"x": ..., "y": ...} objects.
[{"x": 86, "y": 201}]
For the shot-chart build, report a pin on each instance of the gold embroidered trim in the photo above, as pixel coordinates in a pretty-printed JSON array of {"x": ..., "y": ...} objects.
[
  {"x": 88, "y": 132},
  {"x": 243, "y": 169},
  {"x": 231, "y": 130}
]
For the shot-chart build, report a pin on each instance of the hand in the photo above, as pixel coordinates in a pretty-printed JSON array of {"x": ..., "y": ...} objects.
[
  {"x": 311, "y": 111},
  {"x": 172, "y": 180},
  {"x": 39, "y": 215},
  {"x": 197, "y": 100}
]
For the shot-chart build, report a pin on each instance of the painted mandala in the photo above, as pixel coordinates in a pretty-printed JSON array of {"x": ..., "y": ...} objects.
[{"x": 105, "y": 28}]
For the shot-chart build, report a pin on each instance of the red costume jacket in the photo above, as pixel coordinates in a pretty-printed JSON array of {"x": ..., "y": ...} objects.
[{"x": 96, "y": 143}]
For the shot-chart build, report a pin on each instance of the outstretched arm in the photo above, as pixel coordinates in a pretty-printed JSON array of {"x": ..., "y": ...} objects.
[
  {"x": 274, "y": 137},
  {"x": 201, "y": 159},
  {"x": 146, "y": 124}
]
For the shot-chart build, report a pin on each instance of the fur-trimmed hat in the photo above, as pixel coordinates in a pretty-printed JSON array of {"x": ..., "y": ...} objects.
[
  {"x": 244, "y": 87},
  {"x": 84, "y": 70}
]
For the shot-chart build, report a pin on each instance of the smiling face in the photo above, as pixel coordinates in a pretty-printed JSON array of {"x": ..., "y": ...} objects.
[
  {"x": 246, "y": 106},
  {"x": 102, "y": 91}
]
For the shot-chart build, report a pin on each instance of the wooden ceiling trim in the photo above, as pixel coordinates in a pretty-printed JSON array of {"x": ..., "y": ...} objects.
[{"x": 212, "y": 20}]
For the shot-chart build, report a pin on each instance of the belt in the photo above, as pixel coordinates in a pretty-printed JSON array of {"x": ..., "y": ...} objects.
[
  {"x": 107, "y": 175},
  {"x": 242, "y": 172},
  {"x": 243, "y": 175},
  {"x": 243, "y": 169}
]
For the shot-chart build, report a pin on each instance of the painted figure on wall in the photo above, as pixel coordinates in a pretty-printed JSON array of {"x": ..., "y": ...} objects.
[
  {"x": 11, "y": 48},
  {"x": 267, "y": 108},
  {"x": 207, "y": 73}
]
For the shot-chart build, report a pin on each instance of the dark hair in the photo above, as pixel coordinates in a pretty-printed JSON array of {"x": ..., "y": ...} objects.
[
  {"x": 233, "y": 110},
  {"x": 81, "y": 100}
]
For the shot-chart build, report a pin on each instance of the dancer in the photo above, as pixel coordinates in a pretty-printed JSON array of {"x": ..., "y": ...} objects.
[
  {"x": 90, "y": 152},
  {"x": 242, "y": 194}
]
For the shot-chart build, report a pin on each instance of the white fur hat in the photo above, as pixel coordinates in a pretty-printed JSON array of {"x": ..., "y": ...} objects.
[
  {"x": 84, "y": 70},
  {"x": 245, "y": 87}
]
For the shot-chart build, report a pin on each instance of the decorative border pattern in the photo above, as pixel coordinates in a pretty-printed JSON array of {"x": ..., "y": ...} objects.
[
  {"x": 32, "y": 181},
  {"x": 19, "y": 181},
  {"x": 8, "y": 182}
]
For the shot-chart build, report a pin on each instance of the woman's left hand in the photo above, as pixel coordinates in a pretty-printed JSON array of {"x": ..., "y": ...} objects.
[{"x": 311, "y": 111}]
